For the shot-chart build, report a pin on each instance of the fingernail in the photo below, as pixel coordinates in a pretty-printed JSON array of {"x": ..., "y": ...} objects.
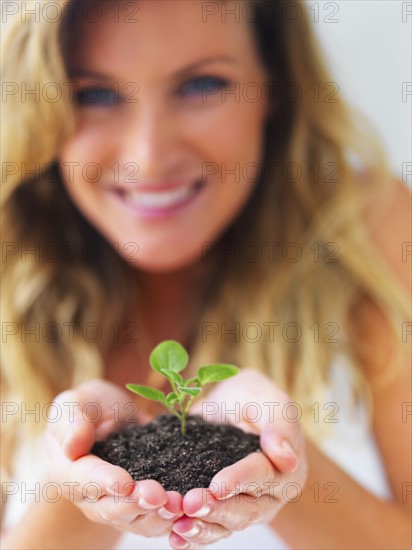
[
  {"x": 202, "y": 512},
  {"x": 193, "y": 532},
  {"x": 146, "y": 505},
  {"x": 165, "y": 514},
  {"x": 227, "y": 495},
  {"x": 286, "y": 446},
  {"x": 68, "y": 437}
]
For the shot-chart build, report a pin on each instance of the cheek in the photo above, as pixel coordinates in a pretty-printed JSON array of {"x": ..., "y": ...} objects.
[
  {"x": 85, "y": 158},
  {"x": 235, "y": 151},
  {"x": 90, "y": 143},
  {"x": 81, "y": 160},
  {"x": 234, "y": 135}
]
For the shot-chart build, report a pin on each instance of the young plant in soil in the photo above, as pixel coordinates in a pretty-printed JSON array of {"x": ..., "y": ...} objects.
[
  {"x": 169, "y": 358},
  {"x": 178, "y": 450}
]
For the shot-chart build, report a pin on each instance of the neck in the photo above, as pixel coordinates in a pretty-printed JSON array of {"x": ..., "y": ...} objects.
[
  {"x": 164, "y": 289},
  {"x": 167, "y": 308},
  {"x": 168, "y": 302}
]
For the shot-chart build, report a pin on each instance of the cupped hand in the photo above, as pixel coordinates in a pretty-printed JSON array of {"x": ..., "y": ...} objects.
[
  {"x": 254, "y": 489},
  {"x": 105, "y": 493}
]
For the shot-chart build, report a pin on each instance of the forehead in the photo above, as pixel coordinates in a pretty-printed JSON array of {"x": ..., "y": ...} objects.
[{"x": 154, "y": 31}]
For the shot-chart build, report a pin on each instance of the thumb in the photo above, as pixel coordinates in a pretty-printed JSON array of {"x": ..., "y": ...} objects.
[
  {"x": 79, "y": 440},
  {"x": 278, "y": 448}
]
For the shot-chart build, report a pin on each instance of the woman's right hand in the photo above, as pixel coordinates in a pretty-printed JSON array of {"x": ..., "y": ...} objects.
[{"x": 104, "y": 493}]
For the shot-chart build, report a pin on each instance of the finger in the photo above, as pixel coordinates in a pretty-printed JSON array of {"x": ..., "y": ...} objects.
[
  {"x": 76, "y": 442},
  {"x": 135, "y": 512},
  {"x": 90, "y": 475},
  {"x": 71, "y": 425},
  {"x": 235, "y": 513},
  {"x": 173, "y": 508},
  {"x": 87, "y": 474},
  {"x": 197, "y": 531},
  {"x": 158, "y": 521},
  {"x": 148, "y": 494},
  {"x": 79, "y": 440},
  {"x": 150, "y": 525},
  {"x": 176, "y": 541},
  {"x": 252, "y": 475},
  {"x": 89, "y": 413},
  {"x": 281, "y": 446}
]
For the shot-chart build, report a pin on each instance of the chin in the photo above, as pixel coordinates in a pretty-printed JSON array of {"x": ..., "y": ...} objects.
[{"x": 167, "y": 263}]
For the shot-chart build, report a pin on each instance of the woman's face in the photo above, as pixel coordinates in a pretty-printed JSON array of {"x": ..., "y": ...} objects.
[{"x": 168, "y": 129}]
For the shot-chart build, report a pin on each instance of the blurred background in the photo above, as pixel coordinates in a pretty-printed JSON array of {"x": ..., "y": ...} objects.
[{"x": 368, "y": 44}]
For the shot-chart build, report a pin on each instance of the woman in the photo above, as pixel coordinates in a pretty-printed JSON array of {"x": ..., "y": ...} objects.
[{"x": 178, "y": 142}]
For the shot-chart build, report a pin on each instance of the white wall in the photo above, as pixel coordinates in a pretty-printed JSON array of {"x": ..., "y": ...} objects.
[{"x": 369, "y": 51}]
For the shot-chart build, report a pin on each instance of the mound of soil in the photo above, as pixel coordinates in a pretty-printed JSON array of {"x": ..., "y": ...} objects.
[{"x": 178, "y": 462}]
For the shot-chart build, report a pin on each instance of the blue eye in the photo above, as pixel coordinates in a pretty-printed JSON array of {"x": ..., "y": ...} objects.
[
  {"x": 203, "y": 86},
  {"x": 96, "y": 96}
]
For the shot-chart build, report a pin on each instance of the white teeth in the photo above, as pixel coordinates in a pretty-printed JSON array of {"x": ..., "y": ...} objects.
[{"x": 161, "y": 199}]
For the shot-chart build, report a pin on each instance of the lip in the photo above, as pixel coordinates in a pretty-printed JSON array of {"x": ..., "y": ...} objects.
[
  {"x": 155, "y": 187},
  {"x": 119, "y": 193}
]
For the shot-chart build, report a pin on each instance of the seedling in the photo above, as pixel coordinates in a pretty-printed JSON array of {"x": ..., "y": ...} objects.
[{"x": 169, "y": 358}]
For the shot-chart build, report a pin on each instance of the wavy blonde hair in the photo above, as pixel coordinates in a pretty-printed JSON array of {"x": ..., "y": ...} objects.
[{"x": 317, "y": 212}]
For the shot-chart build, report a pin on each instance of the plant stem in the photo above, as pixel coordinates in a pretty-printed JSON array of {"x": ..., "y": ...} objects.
[
  {"x": 185, "y": 409},
  {"x": 189, "y": 402},
  {"x": 175, "y": 413},
  {"x": 173, "y": 386}
]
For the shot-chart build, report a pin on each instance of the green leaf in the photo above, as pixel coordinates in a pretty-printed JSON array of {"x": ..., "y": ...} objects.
[
  {"x": 172, "y": 375},
  {"x": 194, "y": 380},
  {"x": 169, "y": 355},
  {"x": 149, "y": 393},
  {"x": 216, "y": 373},
  {"x": 171, "y": 399},
  {"x": 190, "y": 391}
]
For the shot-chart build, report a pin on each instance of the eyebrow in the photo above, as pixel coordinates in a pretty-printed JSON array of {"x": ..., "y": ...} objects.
[
  {"x": 207, "y": 60},
  {"x": 89, "y": 73}
]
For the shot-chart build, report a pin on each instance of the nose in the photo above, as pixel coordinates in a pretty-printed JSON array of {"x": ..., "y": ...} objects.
[{"x": 152, "y": 144}]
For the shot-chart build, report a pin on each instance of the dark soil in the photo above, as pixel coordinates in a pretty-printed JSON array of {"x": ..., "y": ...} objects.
[{"x": 179, "y": 463}]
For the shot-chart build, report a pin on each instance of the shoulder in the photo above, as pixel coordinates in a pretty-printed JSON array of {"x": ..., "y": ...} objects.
[{"x": 388, "y": 221}]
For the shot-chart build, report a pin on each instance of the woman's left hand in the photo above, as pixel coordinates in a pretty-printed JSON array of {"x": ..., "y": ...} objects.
[{"x": 254, "y": 489}]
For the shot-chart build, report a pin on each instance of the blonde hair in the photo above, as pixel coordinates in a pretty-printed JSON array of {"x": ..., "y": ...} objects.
[{"x": 316, "y": 214}]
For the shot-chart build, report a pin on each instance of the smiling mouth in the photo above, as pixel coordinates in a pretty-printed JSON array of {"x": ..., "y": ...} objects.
[{"x": 161, "y": 200}]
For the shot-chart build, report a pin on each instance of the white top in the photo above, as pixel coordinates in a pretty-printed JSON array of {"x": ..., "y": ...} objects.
[{"x": 351, "y": 446}]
